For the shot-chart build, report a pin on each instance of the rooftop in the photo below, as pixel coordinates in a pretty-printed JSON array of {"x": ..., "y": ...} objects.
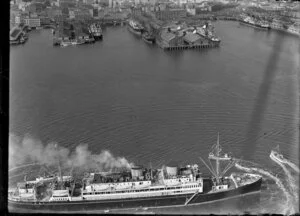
[
  {"x": 14, "y": 33},
  {"x": 191, "y": 38},
  {"x": 167, "y": 36}
]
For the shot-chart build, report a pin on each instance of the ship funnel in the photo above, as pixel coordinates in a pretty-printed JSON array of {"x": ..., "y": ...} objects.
[
  {"x": 136, "y": 172},
  {"x": 172, "y": 170}
]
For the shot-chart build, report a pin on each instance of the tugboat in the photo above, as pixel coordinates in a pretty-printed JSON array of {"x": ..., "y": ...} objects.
[
  {"x": 138, "y": 188},
  {"x": 148, "y": 38},
  {"x": 135, "y": 27},
  {"x": 96, "y": 31},
  {"x": 277, "y": 157}
]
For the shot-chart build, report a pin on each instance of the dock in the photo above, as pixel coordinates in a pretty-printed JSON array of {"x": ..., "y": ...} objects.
[
  {"x": 183, "y": 47},
  {"x": 167, "y": 47}
]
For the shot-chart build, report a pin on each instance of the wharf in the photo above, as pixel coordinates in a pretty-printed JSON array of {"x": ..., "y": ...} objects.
[{"x": 182, "y": 47}]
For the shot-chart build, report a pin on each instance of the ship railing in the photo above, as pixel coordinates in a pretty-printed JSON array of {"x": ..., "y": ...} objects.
[
  {"x": 136, "y": 190},
  {"x": 135, "y": 195}
]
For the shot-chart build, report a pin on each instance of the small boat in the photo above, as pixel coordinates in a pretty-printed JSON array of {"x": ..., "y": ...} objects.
[
  {"x": 65, "y": 43},
  {"x": 148, "y": 38},
  {"x": 135, "y": 27},
  {"x": 277, "y": 157},
  {"x": 72, "y": 43}
]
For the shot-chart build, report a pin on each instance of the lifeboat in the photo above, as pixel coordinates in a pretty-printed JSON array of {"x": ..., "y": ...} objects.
[{"x": 100, "y": 187}]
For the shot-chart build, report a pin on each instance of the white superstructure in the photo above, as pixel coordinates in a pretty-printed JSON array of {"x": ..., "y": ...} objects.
[{"x": 175, "y": 185}]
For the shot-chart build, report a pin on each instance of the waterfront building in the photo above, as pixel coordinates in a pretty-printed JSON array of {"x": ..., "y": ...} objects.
[
  {"x": 276, "y": 24},
  {"x": 191, "y": 11},
  {"x": 194, "y": 39},
  {"x": 169, "y": 38},
  {"x": 45, "y": 21},
  {"x": 33, "y": 22},
  {"x": 20, "y": 18}
]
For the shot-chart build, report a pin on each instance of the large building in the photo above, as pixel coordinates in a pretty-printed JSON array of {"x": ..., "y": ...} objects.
[
  {"x": 89, "y": 1},
  {"x": 170, "y": 14},
  {"x": 33, "y": 22},
  {"x": 169, "y": 38},
  {"x": 94, "y": 13}
]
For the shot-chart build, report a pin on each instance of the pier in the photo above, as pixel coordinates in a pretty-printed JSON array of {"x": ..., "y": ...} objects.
[{"x": 183, "y": 47}]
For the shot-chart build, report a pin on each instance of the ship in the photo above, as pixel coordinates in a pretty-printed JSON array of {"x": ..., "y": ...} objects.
[
  {"x": 72, "y": 43},
  {"x": 135, "y": 27},
  {"x": 169, "y": 185},
  {"x": 96, "y": 31},
  {"x": 255, "y": 23}
]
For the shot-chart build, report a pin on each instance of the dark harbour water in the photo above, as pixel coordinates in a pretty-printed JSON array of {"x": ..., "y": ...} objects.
[{"x": 147, "y": 105}]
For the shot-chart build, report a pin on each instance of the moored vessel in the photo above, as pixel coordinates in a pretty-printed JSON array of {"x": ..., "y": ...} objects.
[
  {"x": 137, "y": 187},
  {"x": 135, "y": 27},
  {"x": 72, "y": 43},
  {"x": 96, "y": 31},
  {"x": 148, "y": 38},
  {"x": 255, "y": 23}
]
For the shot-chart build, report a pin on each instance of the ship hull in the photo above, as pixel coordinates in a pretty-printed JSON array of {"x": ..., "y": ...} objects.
[
  {"x": 173, "y": 200},
  {"x": 98, "y": 37},
  {"x": 149, "y": 41},
  {"x": 136, "y": 32}
]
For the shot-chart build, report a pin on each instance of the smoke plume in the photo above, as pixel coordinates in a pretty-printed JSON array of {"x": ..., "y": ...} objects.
[{"x": 30, "y": 150}]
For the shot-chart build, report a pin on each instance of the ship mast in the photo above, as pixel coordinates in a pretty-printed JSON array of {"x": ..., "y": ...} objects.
[
  {"x": 217, "y": 158},
  {"x": 215, "y": 155},
  {"x": 59, "y": 168}
]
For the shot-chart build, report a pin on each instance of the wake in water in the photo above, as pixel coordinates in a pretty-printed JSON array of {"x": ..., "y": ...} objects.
[
  {"x": 293, "y": 166},
  {"x": 277, "y": 180},
  {"x": 291, "y": 196},
  {"x": 291, "y": 181}
]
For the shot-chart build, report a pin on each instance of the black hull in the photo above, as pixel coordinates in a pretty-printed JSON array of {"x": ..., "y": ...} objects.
[
  {"x": 166, "y": 201},
  {"x": 97, "y": 38},
  {"x": 255, "y": 25},
  {"x": 149, "y": 41}
]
